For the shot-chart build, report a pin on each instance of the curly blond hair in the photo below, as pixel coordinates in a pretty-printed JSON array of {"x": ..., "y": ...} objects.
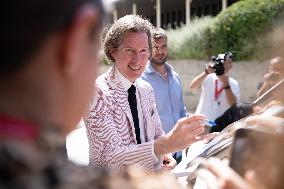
[{"x": 129, "y": 23}]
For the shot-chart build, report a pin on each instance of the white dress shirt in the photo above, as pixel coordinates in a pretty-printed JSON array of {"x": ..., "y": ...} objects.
[{"x": 126, "y": 85}]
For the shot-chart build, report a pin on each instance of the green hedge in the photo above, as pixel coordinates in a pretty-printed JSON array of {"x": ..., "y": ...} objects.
[
  {"x": 190, "y": 41},
  {"x": 242, "y": 27}
]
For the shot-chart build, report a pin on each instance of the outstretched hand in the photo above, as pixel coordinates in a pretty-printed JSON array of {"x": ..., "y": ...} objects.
[
  {"x": 218, "y": 175},
  {"x": 184, "y": 133}
]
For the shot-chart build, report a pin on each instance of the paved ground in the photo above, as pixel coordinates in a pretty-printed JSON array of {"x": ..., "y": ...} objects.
[{"x": 247, "y": 73}]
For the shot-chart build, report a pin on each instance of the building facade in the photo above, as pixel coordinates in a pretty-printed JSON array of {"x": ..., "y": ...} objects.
[{"x": 169, "y": 13}]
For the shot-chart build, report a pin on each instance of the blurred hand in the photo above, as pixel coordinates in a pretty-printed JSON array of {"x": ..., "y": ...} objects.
[
  {"x": 269, "y": 123},
  {"x": 169, "y": 163},
  {"x": 258, "y": 109},
  {"x": 208, "y": 137},
  {"x": 224, "y": 78},
  {"x": 183, "y": 134},
  {"x": 186, "y": 132},
  {"x": 209, "y": 68},
  {"x": 218, "y": 175},
  {"x": 272, "y": 78}
]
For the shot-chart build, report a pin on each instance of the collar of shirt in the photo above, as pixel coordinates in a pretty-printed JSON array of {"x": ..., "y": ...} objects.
[
  {"x": 125, "y": 82},
  {"x": 150, "y": 68}
]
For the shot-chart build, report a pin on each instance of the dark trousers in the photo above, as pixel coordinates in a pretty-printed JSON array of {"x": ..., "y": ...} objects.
[{"x": 234, "y": 113}]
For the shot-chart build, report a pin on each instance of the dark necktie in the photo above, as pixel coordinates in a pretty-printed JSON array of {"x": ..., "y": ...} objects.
[{"x": 133, "y": 106}]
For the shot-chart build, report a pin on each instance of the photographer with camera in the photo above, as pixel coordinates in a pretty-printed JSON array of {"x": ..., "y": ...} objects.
[{"x": 219, "y": 92}]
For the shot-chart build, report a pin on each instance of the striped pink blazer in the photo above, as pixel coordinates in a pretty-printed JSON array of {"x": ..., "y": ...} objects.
[{"x": 110, "y": 127}]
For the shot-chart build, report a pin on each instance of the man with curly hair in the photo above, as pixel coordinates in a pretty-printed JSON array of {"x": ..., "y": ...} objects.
[{"x": 123, "y": 124}]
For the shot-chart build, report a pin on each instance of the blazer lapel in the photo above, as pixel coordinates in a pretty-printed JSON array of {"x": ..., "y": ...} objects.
[
  {"x": 120, "y": 96},
  {"x": 146, "y": 114}
]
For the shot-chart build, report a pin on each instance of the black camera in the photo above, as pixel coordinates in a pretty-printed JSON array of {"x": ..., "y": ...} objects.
[{"x": 218, "y": 62}]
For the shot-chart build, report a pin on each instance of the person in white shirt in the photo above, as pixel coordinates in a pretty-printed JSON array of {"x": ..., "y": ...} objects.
[{"x": 218, "y": 91}]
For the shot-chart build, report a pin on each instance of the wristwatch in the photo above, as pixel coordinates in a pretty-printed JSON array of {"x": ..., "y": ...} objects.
[{"x": 227, "y": 87}]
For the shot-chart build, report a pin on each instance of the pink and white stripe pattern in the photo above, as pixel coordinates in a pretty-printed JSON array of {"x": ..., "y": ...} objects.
[{"x": 110, "y": 127}]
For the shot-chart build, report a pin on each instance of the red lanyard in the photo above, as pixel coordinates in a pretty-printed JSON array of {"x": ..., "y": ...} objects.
[
  {"x": 11, "y": 128},
  {"x": 217, "y": 91}
]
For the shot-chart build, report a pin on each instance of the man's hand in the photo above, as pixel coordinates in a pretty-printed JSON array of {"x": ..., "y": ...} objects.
[
  {"x": 269, "y": 80},
  {"x": 197, "y": 81},
  {"x": 168, "y": 163},
  {"x": 268, "y": 123},
  {"x": 219, "y": 175},
  {"x": 225, "y": 79},
  {"x": 183, "y": 134},
  {"x": 229, "y": 93},
  {"x": 209, "y": 68},
  {"x": 272, "y": 78},
  {"x": 208, "y": 137}
]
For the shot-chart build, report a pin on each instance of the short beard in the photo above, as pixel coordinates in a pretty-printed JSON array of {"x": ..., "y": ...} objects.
[{"x": 159, "y": 63}]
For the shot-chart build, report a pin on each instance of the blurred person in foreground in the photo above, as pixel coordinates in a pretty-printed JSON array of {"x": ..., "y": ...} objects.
[
  {"x": 123, "y": 124},
  {"x": 45, "y": 47},
  {"x": 218, "y": 175},
  {"x": 166, "y": 84},
  {"x": 274, "y": 75}
]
